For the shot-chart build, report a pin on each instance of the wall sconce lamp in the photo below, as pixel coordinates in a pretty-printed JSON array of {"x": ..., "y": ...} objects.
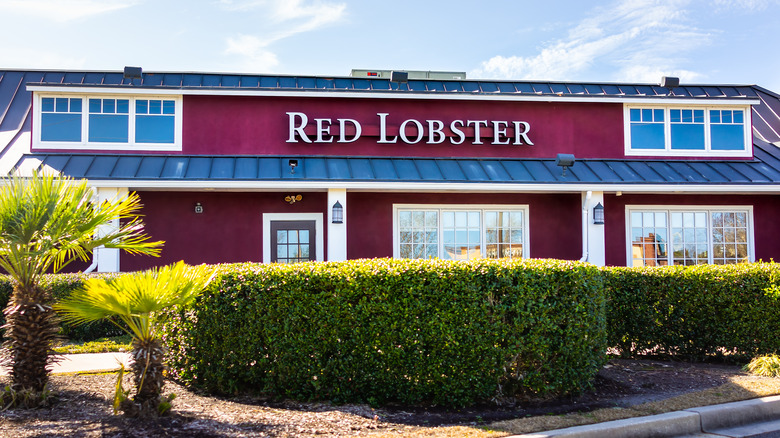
[
  {"x": 198, "y": 208},
  {"x": 338, "y": 213},
  {"x": 293, "y": 164},
  {"x": 598, "y": 214},
  {"x": 292, "y": 199},
  {"x": 564, "y": 160}
]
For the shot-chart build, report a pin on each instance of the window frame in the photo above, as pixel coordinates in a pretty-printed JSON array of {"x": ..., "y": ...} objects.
[
  {"x": 668, "y": 209},
  {"x": 440, "y": 208},
  {"x": 746, "y": 152},
  {"x": 85, "y": 144}
]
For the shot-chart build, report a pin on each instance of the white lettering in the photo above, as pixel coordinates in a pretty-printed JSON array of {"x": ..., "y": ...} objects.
[
  {"x": 402, "y": 131},
  {"x": 459, "y": 133},
  {"x": 343, "y": 130},
  {"x": 477, "y": 123},
  {"x": 435, "y": 130},
  {"x": 383, "y": 129},
  {"x": 323, "y": 129},
  {"x": 522, "y": 133},
  {"x": 499, "y": 132},
  {"x": 299, "y": 128}
]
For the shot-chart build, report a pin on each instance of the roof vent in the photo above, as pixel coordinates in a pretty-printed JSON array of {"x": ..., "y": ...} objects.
[
  {"x": 670, "y": 82},
  {"x": 399, "y": 76},
  {"x": 132, "y": 73}
]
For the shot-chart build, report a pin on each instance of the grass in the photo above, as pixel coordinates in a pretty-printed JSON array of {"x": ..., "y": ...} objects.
[
  {"x": 102, "y": 345},
  {"x": 768, "y": 366}
]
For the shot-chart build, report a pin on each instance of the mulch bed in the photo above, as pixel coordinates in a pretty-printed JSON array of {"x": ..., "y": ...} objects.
[{"x": 83, "y": 407}]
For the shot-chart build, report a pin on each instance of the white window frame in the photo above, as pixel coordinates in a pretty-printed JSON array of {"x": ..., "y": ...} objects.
[
  {"x": 459, "y": 207},
  {"x": 85, "y": 144},
  {"x": 707, "y": 151},
  {"x": 709, "y": 209},
  {"x": 319, "y": 238}
]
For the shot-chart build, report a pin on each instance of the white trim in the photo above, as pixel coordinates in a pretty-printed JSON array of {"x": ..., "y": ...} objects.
[
  {"x": 463, "y": 207},
  {"x": 392, "y": 94},
  {"x": 318, "y": 228},
  {"x": 682, "y": 207},
  {"x": 707, "y": 151},
  {"x": 85, "y": 144},
  {"x": 337, "y": 233},
  {"x": 387, "y": 186}
]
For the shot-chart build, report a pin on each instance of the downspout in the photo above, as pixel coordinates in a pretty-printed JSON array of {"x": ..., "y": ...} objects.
[
  {"x": 585, "y": 234},
  {"x": 94, "y": 264}
]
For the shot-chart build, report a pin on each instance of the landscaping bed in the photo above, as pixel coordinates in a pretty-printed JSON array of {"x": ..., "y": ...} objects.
[{"x": 84, "y": 408}]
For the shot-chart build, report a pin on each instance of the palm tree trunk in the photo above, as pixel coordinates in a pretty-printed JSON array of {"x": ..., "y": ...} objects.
[
  {"x": 148, "y": 369},
  {"x": 31, "y": 331}
]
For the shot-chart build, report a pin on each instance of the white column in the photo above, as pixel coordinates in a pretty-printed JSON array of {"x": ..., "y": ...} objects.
[
  {"x": 108, "y": 258},
  {"x": 595, "y": 245},
  {"x": 337, "y": 233}
]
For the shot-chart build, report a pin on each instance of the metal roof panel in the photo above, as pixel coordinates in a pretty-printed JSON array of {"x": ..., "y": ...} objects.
[
  {"x": 222, "y": 168},
  {"x": 246, "y": 168},
  {"x": 174, "y": 167},
  {"x": 198, "y": 168},
  {"x": 428, "y": 169}
]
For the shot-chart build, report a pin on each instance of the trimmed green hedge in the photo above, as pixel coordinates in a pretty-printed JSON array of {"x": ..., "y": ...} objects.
[
  {"x": 379, "y": 331},
  {"x": 696, "y": 311},
  {"x": 61, "y": 285}
]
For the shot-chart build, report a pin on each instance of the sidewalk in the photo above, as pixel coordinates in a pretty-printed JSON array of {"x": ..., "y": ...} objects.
[{"x": 72, "y": 363}]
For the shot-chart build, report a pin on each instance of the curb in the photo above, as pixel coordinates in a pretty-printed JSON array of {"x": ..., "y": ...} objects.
[{"x": 706, "y": 419}]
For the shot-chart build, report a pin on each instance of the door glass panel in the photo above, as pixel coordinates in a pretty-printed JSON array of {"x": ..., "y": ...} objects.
[{"x": 293, "y": 241}]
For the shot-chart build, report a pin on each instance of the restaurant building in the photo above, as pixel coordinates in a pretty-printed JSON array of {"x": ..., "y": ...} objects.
[{"x": 268, "y": 168}]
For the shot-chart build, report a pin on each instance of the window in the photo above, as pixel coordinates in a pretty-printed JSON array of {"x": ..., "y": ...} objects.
[
  {"x": 457, "y": 233},
  {"x": 687, "y": 131},
  {"x": 109, "y": 122},
  {"x": 689, "y": 236},
  {"x": 60, "y": 119}
]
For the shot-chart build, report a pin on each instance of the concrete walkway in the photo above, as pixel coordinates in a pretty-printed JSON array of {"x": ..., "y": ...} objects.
[{"x": 93, "y": 362}]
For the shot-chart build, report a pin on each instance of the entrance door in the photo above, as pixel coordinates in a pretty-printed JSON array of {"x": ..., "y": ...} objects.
[{"x": 293, "y": 241}]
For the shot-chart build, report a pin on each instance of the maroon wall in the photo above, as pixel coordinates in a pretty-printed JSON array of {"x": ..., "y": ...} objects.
[
  {"x": 230, "y": 229},
  {"x": 554, "y": 220},
  {"x": 247, "y": 125},
  {"x": 766, "y": 210}
]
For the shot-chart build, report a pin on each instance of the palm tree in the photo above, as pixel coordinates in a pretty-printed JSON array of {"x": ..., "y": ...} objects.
[
  {"x": 139, "y": 300},
  {"x": 46, "y": 222}
]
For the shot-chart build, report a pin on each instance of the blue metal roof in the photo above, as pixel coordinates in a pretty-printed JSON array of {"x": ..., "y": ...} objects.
[
  {"x": 222, "y": 81},
  {"x": 431, "y": 170}
]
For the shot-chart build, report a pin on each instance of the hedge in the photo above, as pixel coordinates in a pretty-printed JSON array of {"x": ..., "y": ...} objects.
[
  {"x": 695, "y": 312},
  {"x": 404, "y": 331},
  {"x": 61, "y": 285}
]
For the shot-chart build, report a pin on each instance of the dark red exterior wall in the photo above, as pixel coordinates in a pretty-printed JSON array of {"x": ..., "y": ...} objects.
[
  {"x": 246, "y": 125},
  {"x": 230, "y": 229},
  {"x": 766, "y": 210},
  {"x": 554, "y": 220}
]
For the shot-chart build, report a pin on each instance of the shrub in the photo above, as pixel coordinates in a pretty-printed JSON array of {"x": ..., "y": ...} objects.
[
  {"x": 767, "y": 366},
  {"x": 380, "y": 331},
  {"x": 694, "y": 312}
]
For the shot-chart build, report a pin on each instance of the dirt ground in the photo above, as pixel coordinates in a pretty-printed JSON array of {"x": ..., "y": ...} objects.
[{"x": 83, "y": 408}]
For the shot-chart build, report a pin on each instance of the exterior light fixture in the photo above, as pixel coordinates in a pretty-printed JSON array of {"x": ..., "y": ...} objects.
[
  {"x": 292, "y": 199},
  {"x": 198, "y": 208},
  {"x": 338, "y": 213},
  {"x": 564, "y": 160},
  {"x": 598, "y": 214},
  {"x": 293, "y": 164}
]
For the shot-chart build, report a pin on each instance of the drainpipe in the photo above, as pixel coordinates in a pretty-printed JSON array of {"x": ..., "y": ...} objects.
[
  {"x": 94, "y": 264},
  {"x": 585, "y": 236}
]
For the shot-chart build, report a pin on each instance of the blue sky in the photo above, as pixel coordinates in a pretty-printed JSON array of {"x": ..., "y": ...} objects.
[{"x": 708, "y": 41}]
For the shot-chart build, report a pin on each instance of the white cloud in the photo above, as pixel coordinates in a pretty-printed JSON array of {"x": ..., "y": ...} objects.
[
  {"x": 63, "y": 10},
  {"x": 286, "y": 18},
  {"x": 641, "y": 40},
  {"x": 252, "y": 50},
  {"x": 745, "y": 5}
]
